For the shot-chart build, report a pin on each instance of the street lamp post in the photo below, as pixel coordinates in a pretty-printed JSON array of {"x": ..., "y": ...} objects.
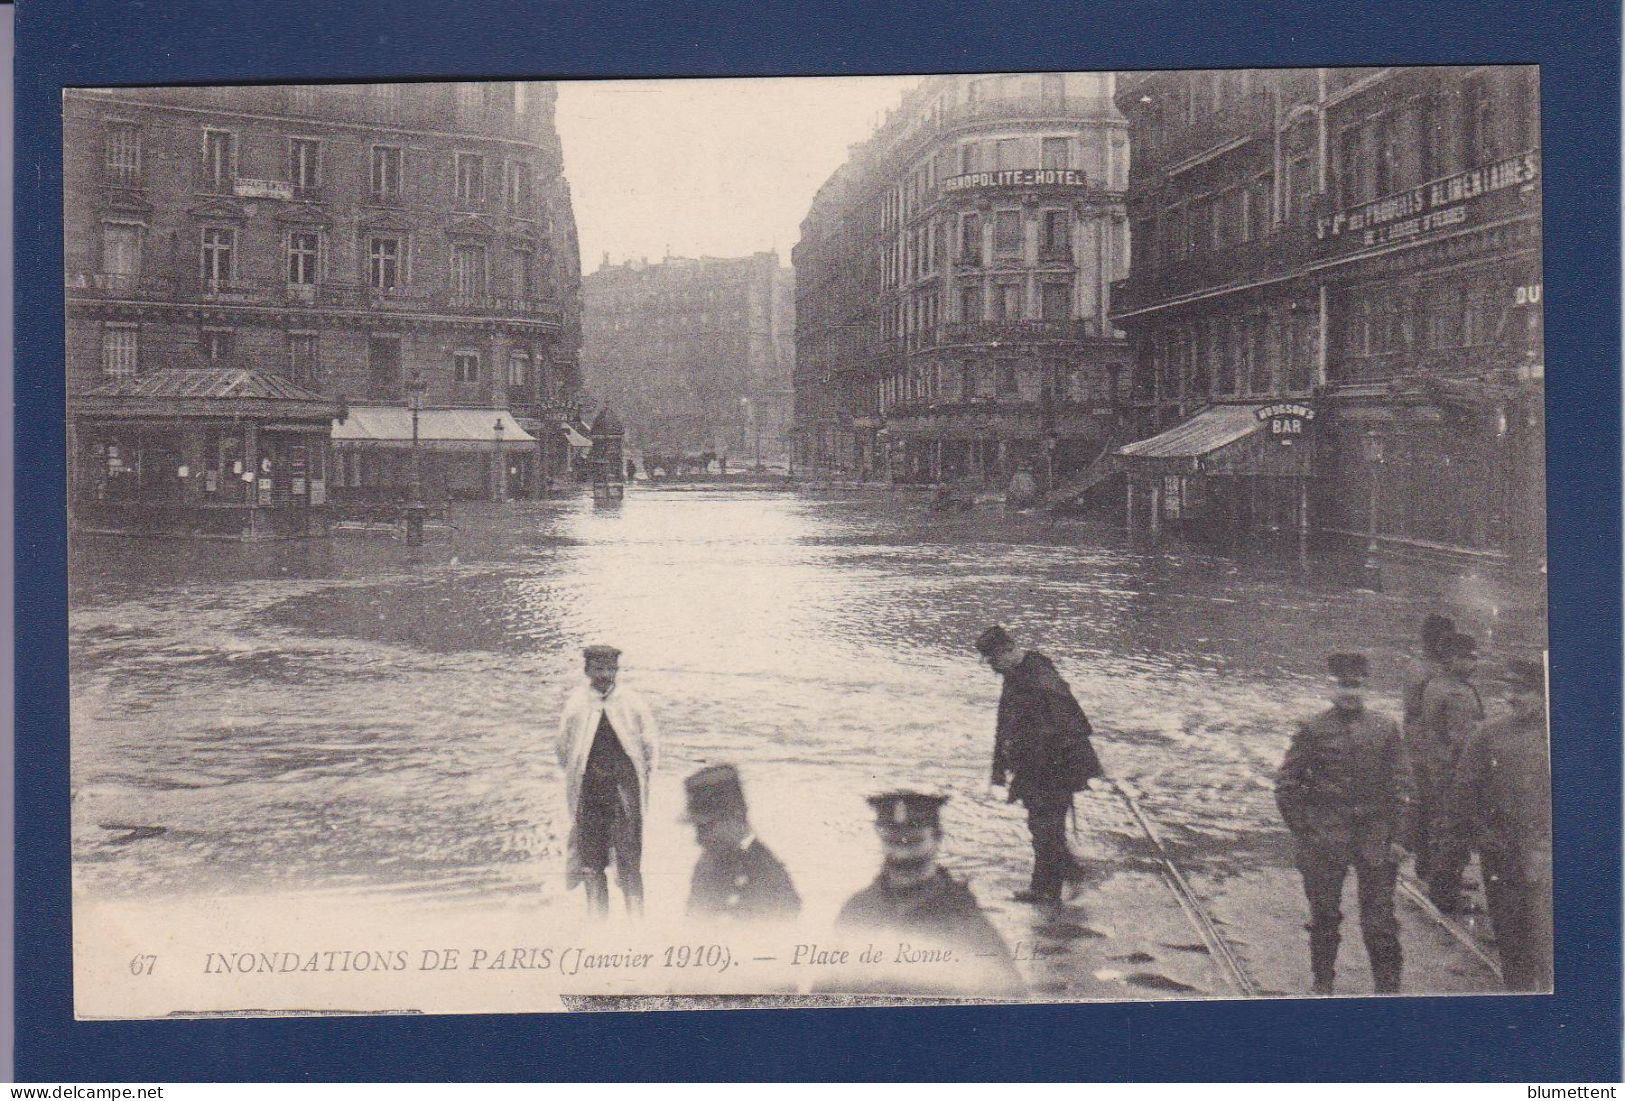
[
  {"x": 499, "y": 483},
  {"x": 414, "y": 506},
  {"x": 1371, "y": 446}
]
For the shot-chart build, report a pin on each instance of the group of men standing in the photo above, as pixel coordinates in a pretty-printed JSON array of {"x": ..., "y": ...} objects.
[{"x": 1357, "y": 791}]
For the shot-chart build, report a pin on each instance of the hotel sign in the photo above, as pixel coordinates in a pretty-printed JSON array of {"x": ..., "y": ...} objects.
[
  {"x": 1074, "y": 178},
  {"x": 1428, "y": 209}
]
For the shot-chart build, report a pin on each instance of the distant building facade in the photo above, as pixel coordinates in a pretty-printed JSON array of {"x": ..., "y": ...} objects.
[
  {"x": 340, "y": 241},
  {"x": 1355, "y": 256},
  {"x": 694, "y": 356},
  {"x": 954, "y": 282}
]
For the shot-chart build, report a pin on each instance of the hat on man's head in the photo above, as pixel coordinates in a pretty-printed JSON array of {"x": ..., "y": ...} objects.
[
  {"x": 601, "y": 652},
  {"x": 908, "y": 808},
  {"x": 1527, "y": 676},
  {"x": 714, "y": 792},
  {"x": 1458, "y": 645},
  {"x": 1435, "y": 629},
  {"x": 994, "y": 640},
  {"x": 1347, "y": 666}
]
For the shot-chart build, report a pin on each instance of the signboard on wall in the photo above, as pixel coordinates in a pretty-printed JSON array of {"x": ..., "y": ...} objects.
[
  {"x": 1286, "y": 422},
  {"x": 1417, "y": 213},
  {"x": 1073, "y": 178}
]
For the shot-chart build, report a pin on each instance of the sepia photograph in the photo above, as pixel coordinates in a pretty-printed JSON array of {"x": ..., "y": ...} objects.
[{"x": 592, "y": 545}]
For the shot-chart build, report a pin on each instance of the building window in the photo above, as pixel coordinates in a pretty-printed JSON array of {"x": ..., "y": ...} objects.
[
  {"x": 519, "y": 372},
  {"x": 124, "y": 155},
  {"x": 1056, "y": 304},
  {"x": 384, "y": 262},
  {"x": 970, "y": 239},
  {"x": 468, "y": 271},
  {"x": 386, "y": 172},
  {"x": 1351, "y": 168},
  {"x": 1007, "y": 302},
  {"x": 1052, "y": 88},
  {"x": 1057, "y": 153},
  {"x": 216, "y": 344},
  {"x": 470, "y": 178},
  {"x": 1007, "y": 151},
  {"x": 466, "y": 367},
  {"x": 524, "y": 274},
  {"x": 1056, "y": 241},
  {"x": 518, "y": 186},
  {"x": 1258, "y": 209},
  {"x": 970, "y": 158},
  {"x": 304, "y": 164},
  {"x": 219, "y": 160},
  {"x": 1300, "y": 186},
  {"x": 1007, "y": 232},
  {"x": 470, "y": 97},
  {"x": 302, "y": 362},
  {"x": 970, "y": 303},
  {"x": 520, "y": 90},
  {"x": 304, "y": 249},
  {"x": 1007, "y": 377},
  {"x": 219, "y": 248},
  {"x": 121, "y": 249},
  {"x": 119, "y": 351}
]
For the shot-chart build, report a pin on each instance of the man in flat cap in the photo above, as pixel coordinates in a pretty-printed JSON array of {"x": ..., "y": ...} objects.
[
  {"x": 736, "y": 876},
  {"x": 608, "y": 744},
  {"x": 914, "y": 895},
  {"x": 1501, "y": 805},
  {"x": 1452, "y": 709},
  {"x": 1345, "y": 791},
  {"x": 1042, "y": 750}
]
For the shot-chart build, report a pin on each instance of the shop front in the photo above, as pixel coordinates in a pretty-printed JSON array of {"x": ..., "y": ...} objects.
[
  {"x": 205, "y": 453},
  {"x": 387, "y": 454},
  {"x": 1228, "y": 470}
]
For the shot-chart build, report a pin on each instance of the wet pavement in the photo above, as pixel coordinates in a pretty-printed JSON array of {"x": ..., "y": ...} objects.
[{"x": 359, "y": 717}]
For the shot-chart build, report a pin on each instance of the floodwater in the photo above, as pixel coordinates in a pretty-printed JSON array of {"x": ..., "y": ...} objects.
[{"x": 353, "y": 715}]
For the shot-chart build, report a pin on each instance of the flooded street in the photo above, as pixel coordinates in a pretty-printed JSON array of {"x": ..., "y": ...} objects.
[{"x": 359, "y": 717}]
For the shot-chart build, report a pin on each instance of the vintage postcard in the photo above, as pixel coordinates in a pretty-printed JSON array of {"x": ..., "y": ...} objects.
[{"x": 806, "y": 541}]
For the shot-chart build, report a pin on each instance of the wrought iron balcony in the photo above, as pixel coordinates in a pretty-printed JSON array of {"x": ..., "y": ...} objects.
[{"x": 1027, "y": 329}]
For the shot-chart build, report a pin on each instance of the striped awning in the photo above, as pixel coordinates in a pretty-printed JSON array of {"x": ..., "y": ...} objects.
[{"x": 1214, "y": 427}]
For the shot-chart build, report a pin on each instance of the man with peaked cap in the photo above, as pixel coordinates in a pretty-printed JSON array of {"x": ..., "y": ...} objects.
[
  {"x": 914, "y": 895},
  {"x": 608, "y": 744},
  {"x": 1451, "y": 712},
  {"x": 1345, "y": 792},
  {"x": 736, "y": 876},
  {"x": 1042, "y": 750},
  {"x": 1436, "y": 629},
  {"x": 1501, "y": 805}
]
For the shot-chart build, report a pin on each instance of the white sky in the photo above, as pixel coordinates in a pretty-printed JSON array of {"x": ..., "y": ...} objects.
[{"x": 707, "y": 167}]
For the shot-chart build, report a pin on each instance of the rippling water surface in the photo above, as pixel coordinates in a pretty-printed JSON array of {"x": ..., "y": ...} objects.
[{"x": 353, "y": 714}]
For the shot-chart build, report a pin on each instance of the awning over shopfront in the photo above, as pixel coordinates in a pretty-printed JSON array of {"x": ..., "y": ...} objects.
[
  {"x": 390, "y": 426},
  {"x": 1226, "y": 439},
  {"x": 205, "y": 392},
  {"x": 576, "y": 437}
]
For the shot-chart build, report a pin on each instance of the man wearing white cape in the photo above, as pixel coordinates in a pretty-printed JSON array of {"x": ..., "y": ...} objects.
[{"x": 608, "y": 746}]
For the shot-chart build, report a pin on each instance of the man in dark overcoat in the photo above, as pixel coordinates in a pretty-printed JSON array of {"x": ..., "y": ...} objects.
[
  {"x": 1042, "y": 752},
  {"x": 736, "y": 876},
  {"x": 1452, "y": 710},
  {"x": 914, "y": 896},
  {"x": 1501, "y": 805},
  {"x": 1345, "y": 791}
]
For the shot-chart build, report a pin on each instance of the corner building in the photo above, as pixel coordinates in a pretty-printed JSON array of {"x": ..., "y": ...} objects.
[
  {"x": 1335, "y": 307},
  {"x": 953, "y": 318},
  {"x": 323, "y": 246}
]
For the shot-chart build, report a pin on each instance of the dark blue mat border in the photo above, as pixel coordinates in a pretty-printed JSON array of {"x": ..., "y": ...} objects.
[{"x": 1574, "y": 1036}]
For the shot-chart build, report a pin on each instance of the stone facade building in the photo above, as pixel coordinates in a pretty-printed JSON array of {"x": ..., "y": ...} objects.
[
  {"x": 341, "y": 240},
  {"x": 695, "y": 356},
  {"x": 954, "y": 280},
  {"x": 1335, "y": 306}
]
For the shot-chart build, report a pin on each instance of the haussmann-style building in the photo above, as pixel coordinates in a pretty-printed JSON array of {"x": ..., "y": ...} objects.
[
  {"x": 695, "y": 356},
  {"x": 262, "y": 280},
  {"x": 1335, "y": 307},
  {"x": 953, "y": 286}
]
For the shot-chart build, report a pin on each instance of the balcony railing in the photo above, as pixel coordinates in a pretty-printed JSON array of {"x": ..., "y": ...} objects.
[
  {"x": 1025, "y": 107},
  {"x": 1027, "y": 329},
  {"x": 1276, "y": 253},
  {"x": 1249, "y": 115}
]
